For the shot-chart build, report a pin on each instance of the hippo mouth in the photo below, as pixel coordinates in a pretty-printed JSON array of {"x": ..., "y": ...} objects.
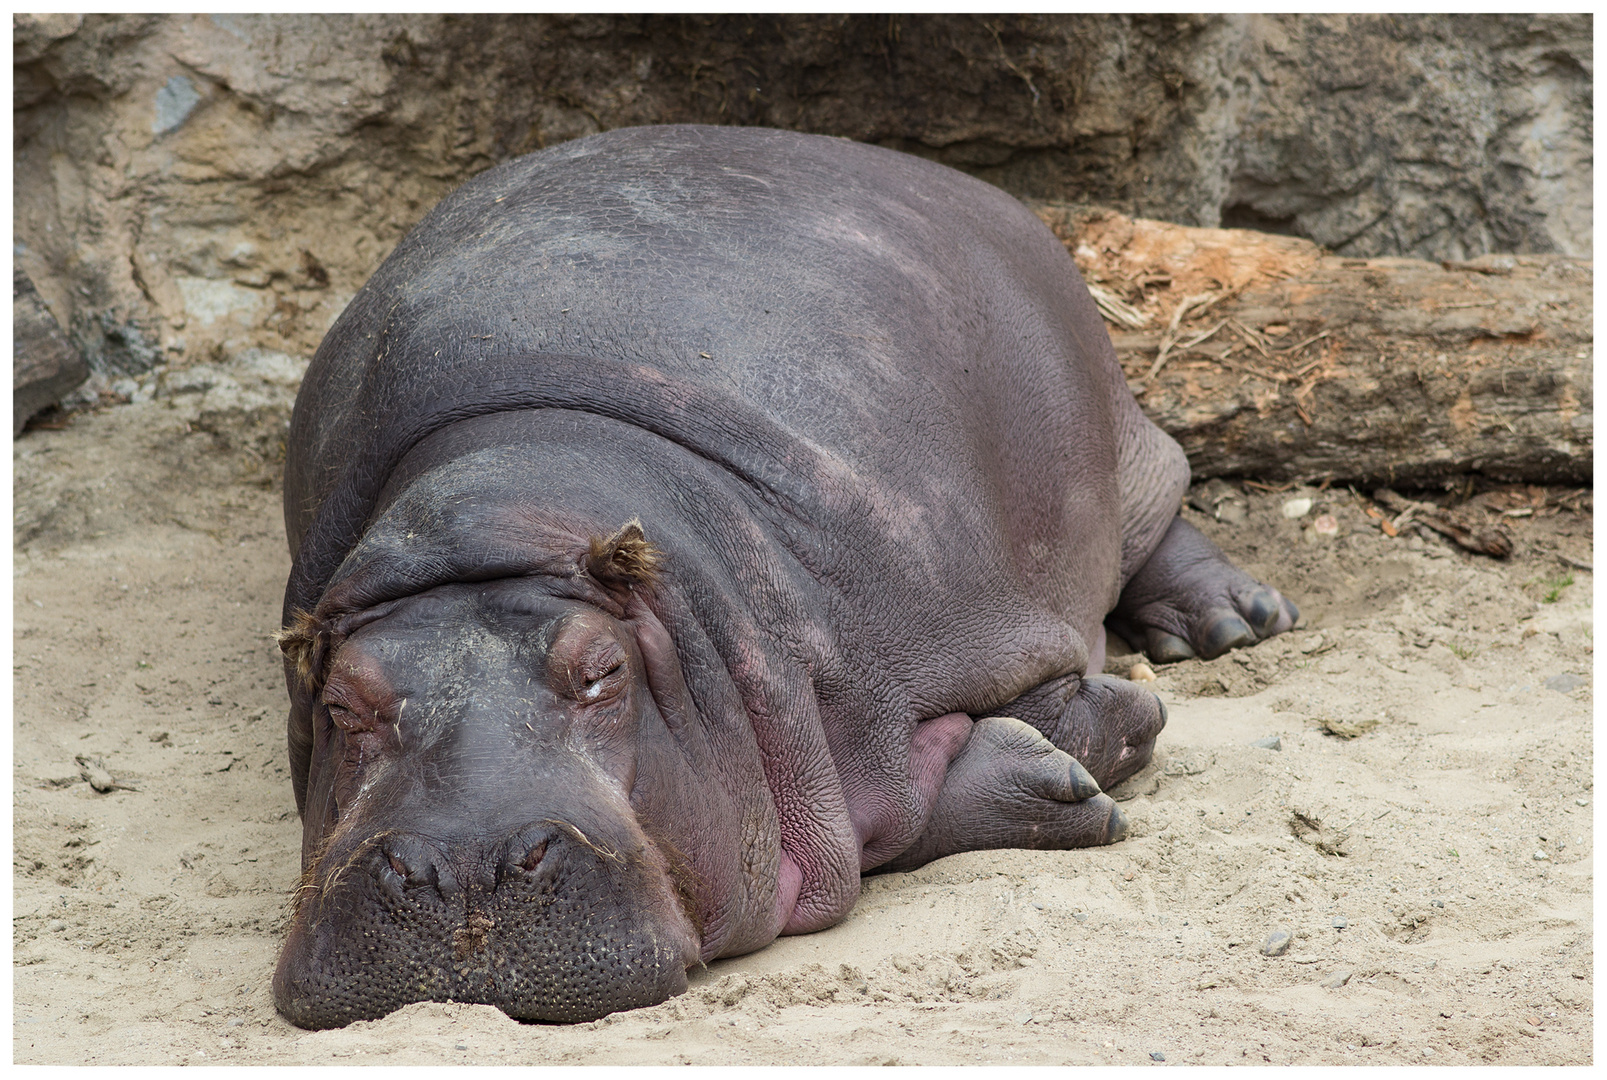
[{"x": 545, "y": 925}]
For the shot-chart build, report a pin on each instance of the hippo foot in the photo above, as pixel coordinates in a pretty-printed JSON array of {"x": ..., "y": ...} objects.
[
  {"x": 1012, "y": 788},
  {"x": 1107, "y": 724},
  {"x": 1189, "y": 600}
]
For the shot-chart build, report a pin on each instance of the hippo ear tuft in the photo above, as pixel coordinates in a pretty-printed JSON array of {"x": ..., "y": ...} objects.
[
  {"x": 304, "y": 643},
  {"x": 624, "y": 558}
]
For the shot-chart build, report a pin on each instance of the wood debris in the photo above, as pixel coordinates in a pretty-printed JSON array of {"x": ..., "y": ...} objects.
[{"x": 1458, "y": 525}]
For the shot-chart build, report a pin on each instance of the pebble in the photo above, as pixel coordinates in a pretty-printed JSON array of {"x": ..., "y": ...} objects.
[
  {"x": 1156, "y": 1055},
  {"x": 1141, "y": 672},
  {"x": 1564, "y": 683},
  {"x": 94, "y": 771},
  {"x": 1336, "y": 980},
  {"x": 1438, "y": 903},
  {"x": 1022, "y": 1017},
  {"x": 1581, "y": 802},
  {"x": 1346, "y": 729},
  {"x": 1325, "y": 525},
  {"x": 461, "y": 1046},
  {"x": 55, "y": 926},
  {"x": 1232, "y": 513},
  {"x": 236, "y": 1022},
  {"x": 1339, "y": 922},
  {"x": 1277, "y": 943},
  {"x": 1271, "y": 742},
  {"x": 1541, "y": 856},
  {"x": 1296, "y": 508}
]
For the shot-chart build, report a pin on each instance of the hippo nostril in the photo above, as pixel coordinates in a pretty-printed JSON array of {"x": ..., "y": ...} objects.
[
  {"x": 415, "y": 867},
  {"x": 521, "y": 858}
]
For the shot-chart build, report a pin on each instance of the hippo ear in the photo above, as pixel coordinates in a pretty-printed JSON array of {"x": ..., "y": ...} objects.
[
  {"x": 305, "y": 644},
  {"x": 624, "y": 558}
]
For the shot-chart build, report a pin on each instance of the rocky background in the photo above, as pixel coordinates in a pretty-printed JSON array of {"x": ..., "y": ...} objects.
[{"x": 188, "y": 187}]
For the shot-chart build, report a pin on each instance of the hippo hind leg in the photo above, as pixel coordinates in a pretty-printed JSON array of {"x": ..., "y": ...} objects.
[{"x": 1189, "y": 600}]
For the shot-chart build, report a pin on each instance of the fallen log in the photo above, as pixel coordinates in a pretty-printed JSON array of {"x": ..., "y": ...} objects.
[{"x": 1266, "y": 356}]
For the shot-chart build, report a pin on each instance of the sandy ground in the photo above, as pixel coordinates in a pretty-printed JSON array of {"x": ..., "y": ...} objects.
[{"x": 1434, "y": 871}]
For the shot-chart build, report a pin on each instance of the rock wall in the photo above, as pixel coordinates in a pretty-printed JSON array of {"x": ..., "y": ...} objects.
[{"x": 188, "y": 187}]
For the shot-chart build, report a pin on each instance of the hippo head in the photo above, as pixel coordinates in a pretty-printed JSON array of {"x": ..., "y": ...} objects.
[{"x": 508, "y": 796}]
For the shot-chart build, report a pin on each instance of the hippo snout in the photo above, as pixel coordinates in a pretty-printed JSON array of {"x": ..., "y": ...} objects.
[{"x": 545, "y": 924}]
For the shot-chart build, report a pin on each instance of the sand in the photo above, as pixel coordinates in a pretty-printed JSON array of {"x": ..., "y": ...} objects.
[{"x": 1432, "y": 872}]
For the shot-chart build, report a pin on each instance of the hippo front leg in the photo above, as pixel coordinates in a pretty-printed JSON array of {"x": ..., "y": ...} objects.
[
  {"x": 1009, "y": 787},
  {"x": 1189, "y": 600}
]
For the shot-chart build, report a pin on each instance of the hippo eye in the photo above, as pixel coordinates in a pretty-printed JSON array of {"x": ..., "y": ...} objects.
[
  {"x": 595, "y": 688},
  {"x": 344, "y": 718},
  {"x": 600, "y": 672}
]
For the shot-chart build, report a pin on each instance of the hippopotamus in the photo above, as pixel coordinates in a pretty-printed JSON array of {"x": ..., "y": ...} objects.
[{"x": 687, "y": 521}]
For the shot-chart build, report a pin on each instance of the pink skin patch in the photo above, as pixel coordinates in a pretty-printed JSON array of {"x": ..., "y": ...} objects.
[
  {"x": 936, "y": 744},
  {"x": 1096, "y": 662},
  {"x": 789, "y": 885}
]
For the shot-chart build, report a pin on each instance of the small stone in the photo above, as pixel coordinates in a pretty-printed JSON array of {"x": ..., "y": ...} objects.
[
  {"x": 1564, "y": 683},
  {"x": 1336, "y": 980},
  {"x": 1232, "y": 513},
  {"x": 1339, "y": 922},
  {"x": 1346, "y": 729},
  {"x": 1277, "y": 943},
  {"x": 461, "y": 1046},
  {"x": 1540, "y": 856},
  {"x": 55, "y": 926},
  {"x": 1022, "y": 1017},
  {"x": 1296, "y": 508},
  {"x": 1581, "y": 801},
  {"x": 1271, "y": 742},
  {"x": 1427, "y": 1052},
  {"x": 1325, "y": 525},
  {"x": 1437, "y": 903},
  {"x": 94, "y": 770},
  {"x": 1141, "y": 672},
  {"x": 1156, "y": 1055},
  {"x": 235, "y": 1022}
]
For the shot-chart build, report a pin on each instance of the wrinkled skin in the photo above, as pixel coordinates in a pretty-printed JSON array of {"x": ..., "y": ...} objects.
[{"x": 885, "y": 483}]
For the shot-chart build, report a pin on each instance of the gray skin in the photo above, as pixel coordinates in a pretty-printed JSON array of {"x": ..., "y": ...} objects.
[{"x": 889, "y": 483}]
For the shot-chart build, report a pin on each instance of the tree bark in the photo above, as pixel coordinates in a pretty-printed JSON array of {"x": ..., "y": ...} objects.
[{"x": 1265, "y": 356}]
